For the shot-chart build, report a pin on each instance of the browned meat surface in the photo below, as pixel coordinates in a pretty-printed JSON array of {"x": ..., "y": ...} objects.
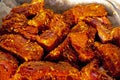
[
  {"x": 105, "y": 31},
  {"x": 59, "y": 26},
  {"x": 21, "y": 47},
  {"x": 49, "y": 39},
  {"x": 29, "y": 9},
  {"x": 46, "y": 71},
  {"x": 82, "y": 39},
  {"x": 63, "y": 52},
  {"x": 8, "y": 65},
  {"x": 17, "y": 23},
  {"x": 92, "y": 71},
  {"x": 13, "y": 21},
  {"x": 73, "y": 15},
  {"x": 20, "y": 19},
  {"x": 37, "y": 29},
  {"x": 18, "y": 16},
  {"x": 116, "y": 36},
  {"x": 110, "y": 56},
  {"x": 42, "y": 20}
]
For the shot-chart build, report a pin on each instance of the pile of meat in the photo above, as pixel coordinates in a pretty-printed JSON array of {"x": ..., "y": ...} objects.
[{"x": 78, "y": 44}]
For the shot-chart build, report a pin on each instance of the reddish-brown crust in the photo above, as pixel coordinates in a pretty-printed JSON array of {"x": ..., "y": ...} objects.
[
  {"x": 92, "y": 71},
  {"x": 21, "y": 47},
  {"x": 49, "y": 39},
  {"x": 63, "y": 52},
  {"x": 82, "y": 38},
  {"x": 110, "y": 55},
  {"x": 8, "y": 65},
  {"x": 29, "y": 9},
  {"x": 46, "y": 71},
  {"x": 73, "y": 15}
]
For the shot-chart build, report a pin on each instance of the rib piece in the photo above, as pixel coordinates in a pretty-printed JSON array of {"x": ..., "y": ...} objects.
[
  {"x": 17, "y": 20},
  {"x": 17, "y": 23},
  {"x": 73, "y": 15},
  {"x": 49, "y": 39},
  {"x": 104, "y": 31},
  {"x": 63, "y": 52},
  {"x": 13, "y": 21},
  {"x": 116, "y": 36},
  {"x": 110, "y": 56},
  {"x": 29, "y": 9},
  {"x": 92, "y": 71},
  {"x": 42, "y": 20},
  {"x": 8, "y": 65},
  {"x": 82, "y": 39},
  {"x": 21, "y": 47},
  {"x": 46, "y": 71},
  {"x": 58, "y": 25}
]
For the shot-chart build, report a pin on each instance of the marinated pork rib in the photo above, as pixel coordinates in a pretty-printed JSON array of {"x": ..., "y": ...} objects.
[
  {"x": 110, "y": 56},
  {"x": 82, "y": 39},
  {"x": 73, "y": 15},
  {"x": 46, "y": 71},
  {"x": 92, "y": 71},
  {"x": 18, "y": 16},
  {"x": 116, "y": 36},
  {"x": 29, "y": 9},
  {"x": 21, "y": 47},
  {"x": 17, "y": 23},
  {"x": 42, "y": 20},
  {"x": 63, "y": 52},
  {"x": 8, "y": 65},
  {"x": 13, "y": 21},
  {"x": 106, "y": 32},
  {"x": 49, "y": 39}
]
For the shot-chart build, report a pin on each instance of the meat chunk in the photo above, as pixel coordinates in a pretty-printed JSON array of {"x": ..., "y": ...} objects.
[
  {"x": 46, "y": 71},
  {"x": 13, "y": 21},
  {"x": 73, "y": 15},
  {"x": 17, "y": 23},
  {"x": 42, "y": 20},
  {"x": 103, "y": 29},
  {"x": 58, "y": 25},
  {"x": 49, "y": 39},
  {"x": 8, "y": 65},
  {"x": 92, "y": 71},
  {"x": 17, "y": 20},
  {"x": 63, "y": 52},
  {"x": 29, "y": 9},
  {"x": 21, "y": 47},
  {"x": 110, "y": 56},
  {"x": 115, "y": 33},
  {"x": 106, "y": 32},
  {"x": 82, "y": 39}
]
